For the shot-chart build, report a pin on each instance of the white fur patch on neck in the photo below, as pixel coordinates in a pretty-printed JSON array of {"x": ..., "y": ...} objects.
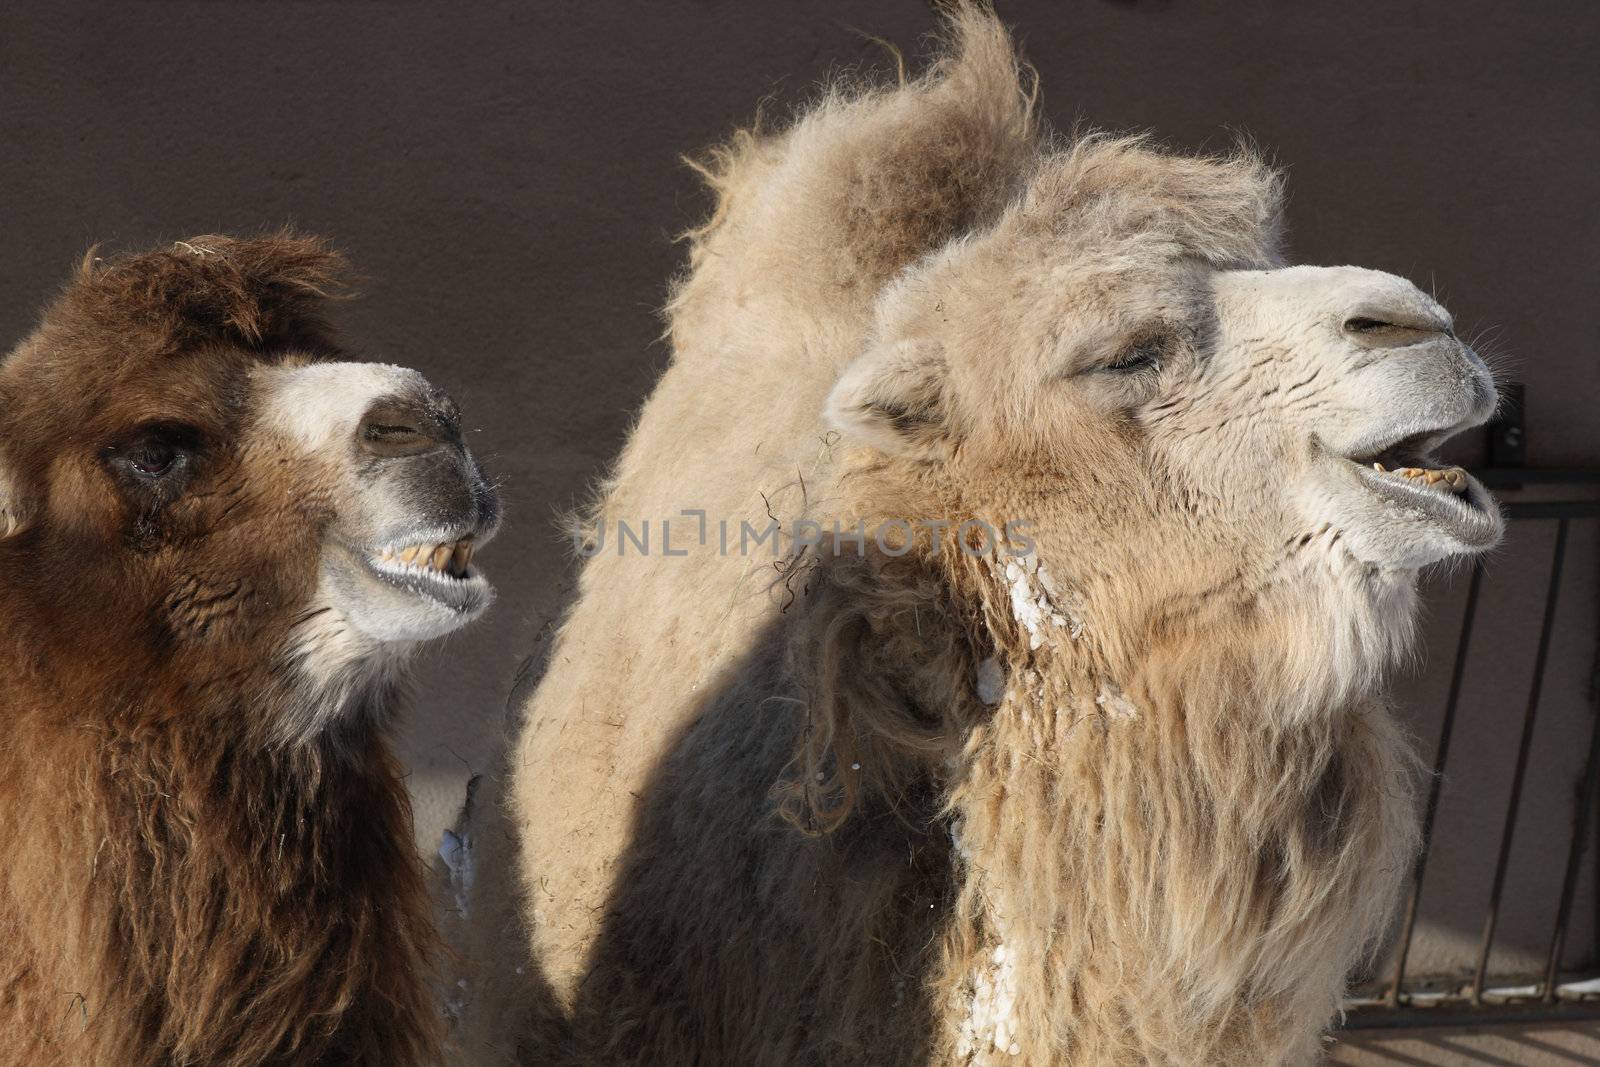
[
  {"x": 990, "y": 1026},
  {"x": 1037, "y": 602},
  {"x": 334, "y": 668},
  {"x": 1347, "y": 623},
  {"x": 1115, "y": 703}
]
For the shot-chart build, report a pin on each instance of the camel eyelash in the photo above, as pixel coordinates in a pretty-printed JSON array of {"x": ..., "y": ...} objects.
[
  {"x": 1147, "y": 354},
  {"x": 154, "y": 464}
]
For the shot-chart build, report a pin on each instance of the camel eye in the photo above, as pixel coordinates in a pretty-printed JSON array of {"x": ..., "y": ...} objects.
[
  {"x": 153, "y": 459},
  {"x": 1145, "y": 354}
]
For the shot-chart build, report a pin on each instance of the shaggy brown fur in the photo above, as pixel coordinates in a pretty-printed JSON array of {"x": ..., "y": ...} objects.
[
  {"x": 1128, "y": 799},
  {"x": 179, "y": 888}
]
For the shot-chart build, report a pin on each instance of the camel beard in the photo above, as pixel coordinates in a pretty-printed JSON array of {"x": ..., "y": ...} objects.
[{"x": 1178, "y": 866}]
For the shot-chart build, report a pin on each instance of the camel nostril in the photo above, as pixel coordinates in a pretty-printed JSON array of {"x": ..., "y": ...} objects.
[
  {"x": 393, "y": 428},
  {"x": 1361, "y": 325},
  {"x": 1372, "y": 332}
]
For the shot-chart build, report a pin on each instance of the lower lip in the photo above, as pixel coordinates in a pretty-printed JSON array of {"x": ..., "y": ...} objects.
[
  {"x": 1396, "y": 479},
  {"x": 447, "y": 589},
  {"x": 1462, "y": 513}
]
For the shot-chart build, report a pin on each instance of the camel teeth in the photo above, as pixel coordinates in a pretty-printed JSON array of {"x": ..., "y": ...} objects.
[
  {"x": 1448, "y": 479},
  {"x": 449, "y": 558}
]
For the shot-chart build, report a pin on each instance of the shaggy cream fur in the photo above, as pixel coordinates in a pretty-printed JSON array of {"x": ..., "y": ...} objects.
[{"x": 1119, "y": 795}]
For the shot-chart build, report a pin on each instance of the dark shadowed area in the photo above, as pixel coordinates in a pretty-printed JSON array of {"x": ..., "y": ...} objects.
[{"x": 507, "y": 175}]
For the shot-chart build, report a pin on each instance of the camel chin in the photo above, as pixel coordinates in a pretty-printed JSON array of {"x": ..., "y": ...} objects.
[
  {"x": 417, "y": 585},
  {"x": 1393, "y": 518}
]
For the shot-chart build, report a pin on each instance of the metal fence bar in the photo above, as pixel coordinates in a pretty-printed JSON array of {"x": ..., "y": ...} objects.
[
  {"x": 1580, "y": 833},
  {"x": 1552, "y": 509},
  {"x": 1408, "y": 924},
  {"x": 1394, "y": 1006},
  {"x": 1507, "y": 835}
]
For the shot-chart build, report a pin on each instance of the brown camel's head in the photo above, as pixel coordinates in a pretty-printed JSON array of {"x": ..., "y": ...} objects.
[{"x": 197, "y": 485}]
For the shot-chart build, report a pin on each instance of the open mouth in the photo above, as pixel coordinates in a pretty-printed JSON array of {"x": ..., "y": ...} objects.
[
  {"x": 437, "y": 568},
  {"x": 450, "y": 559},
  {"x": 1409, "y": 460},
  {"x": 1404, "y": 473}
]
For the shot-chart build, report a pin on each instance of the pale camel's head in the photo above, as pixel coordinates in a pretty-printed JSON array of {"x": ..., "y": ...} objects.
[{"x": 1193, "y": 433}]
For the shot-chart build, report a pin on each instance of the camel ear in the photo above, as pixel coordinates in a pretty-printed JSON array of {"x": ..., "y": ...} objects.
[
  {"x": 256, "y": 289},
  {"x": 893, "y": 397},
  {"x": 257, "y": 286}
]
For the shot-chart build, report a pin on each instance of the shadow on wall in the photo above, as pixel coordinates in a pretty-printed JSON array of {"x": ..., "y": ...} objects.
[
  {"x": 1500, "y": 1046},
  {"x": 871, "y": 899}
]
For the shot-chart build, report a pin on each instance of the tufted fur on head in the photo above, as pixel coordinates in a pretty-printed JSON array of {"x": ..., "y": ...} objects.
[
  {"x": 208, "y": 840},
  {"x": 1111, "y": 783}
]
